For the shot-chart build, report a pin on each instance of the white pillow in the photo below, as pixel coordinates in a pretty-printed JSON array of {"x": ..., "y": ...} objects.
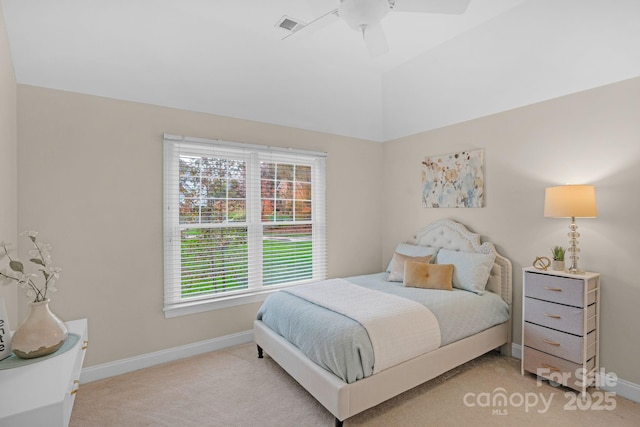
[
  {"x": 413, "y": 251},
  {"x": 470, "y": 270}
]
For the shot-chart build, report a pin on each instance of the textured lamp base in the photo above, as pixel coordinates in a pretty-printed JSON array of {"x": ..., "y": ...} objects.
[{"x": 573, "y": 248}]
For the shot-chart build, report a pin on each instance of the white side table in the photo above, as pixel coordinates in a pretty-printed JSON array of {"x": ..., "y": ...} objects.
[{"x": 42, "y": 393}]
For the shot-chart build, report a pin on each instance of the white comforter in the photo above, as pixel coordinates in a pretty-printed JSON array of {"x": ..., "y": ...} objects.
[{"x": 399, "y": 328}]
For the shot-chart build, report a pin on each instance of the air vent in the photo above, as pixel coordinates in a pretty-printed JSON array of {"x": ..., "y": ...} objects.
[{"x": 289, "y": 24}]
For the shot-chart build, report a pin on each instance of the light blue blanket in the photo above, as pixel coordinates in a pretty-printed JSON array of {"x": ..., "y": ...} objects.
[{"x": 342, "y": 346}]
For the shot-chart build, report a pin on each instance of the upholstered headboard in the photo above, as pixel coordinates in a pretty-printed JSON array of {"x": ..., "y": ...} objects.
[{"x": 450, "y": 234}]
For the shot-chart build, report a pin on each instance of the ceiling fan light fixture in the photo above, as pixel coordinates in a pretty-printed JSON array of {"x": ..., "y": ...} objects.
[{"x": 360, "y": 14}]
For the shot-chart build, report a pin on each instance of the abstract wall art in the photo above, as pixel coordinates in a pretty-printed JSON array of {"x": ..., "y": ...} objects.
[{"x": 453, "y": 180}]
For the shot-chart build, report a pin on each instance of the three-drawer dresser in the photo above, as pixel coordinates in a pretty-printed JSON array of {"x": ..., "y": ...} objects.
[{"x": 560, "y": 332}]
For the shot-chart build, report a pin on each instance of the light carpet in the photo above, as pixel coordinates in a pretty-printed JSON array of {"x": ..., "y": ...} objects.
[{"x": 233, "y": 388}]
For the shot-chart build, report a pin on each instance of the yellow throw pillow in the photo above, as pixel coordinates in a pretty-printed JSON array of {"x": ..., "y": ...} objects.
[
  {"x": 428, "y": 276},
  {"x": 397, "y": 265}
]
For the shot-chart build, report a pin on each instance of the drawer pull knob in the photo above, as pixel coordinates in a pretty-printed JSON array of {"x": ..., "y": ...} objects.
[
  {"x": 76, "y": 384},
  {"x": 553, "y": 289},
  {"x": 551, "y": 342},
  {"x": 553, "y": 316},
  {"x": 551, "y": 368}
]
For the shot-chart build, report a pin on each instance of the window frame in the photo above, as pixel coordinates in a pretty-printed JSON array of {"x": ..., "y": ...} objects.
[{"x": 174, "y": 146}]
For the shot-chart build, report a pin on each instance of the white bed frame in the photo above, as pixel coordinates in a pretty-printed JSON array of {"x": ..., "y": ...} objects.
[{"x": 344, "y": 400}]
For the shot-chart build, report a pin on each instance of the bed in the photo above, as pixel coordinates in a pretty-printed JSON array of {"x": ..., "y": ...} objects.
[{"x": 345, "y": 394}]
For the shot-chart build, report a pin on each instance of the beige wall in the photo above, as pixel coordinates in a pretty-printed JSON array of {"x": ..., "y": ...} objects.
[
  {"x": 589, "y": 137},
  {"x": 90, "y": 170},
  {"x": 8, "y": 164}
]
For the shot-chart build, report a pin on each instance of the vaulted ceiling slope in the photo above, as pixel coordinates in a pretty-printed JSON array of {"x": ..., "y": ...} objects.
[{"x": 228, "y": 58}]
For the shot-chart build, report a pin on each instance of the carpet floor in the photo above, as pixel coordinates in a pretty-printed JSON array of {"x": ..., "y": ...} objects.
[{"x": 233, "y": 388}]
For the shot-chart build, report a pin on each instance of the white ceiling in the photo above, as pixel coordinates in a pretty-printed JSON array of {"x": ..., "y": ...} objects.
[{"x": 227, "y": 58}]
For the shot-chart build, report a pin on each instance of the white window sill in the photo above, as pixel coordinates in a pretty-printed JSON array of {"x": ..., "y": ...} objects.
[{"x": 223, "y": 302}]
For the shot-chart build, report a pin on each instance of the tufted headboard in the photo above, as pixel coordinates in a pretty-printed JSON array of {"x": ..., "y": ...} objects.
[{"x": 450, "y": 234}]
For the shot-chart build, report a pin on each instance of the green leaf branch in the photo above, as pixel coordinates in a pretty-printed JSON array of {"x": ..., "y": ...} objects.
[{"x": 41, "y": 257}]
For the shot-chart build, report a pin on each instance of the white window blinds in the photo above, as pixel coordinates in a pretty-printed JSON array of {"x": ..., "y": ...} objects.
[{"x": 240, "y": 219}]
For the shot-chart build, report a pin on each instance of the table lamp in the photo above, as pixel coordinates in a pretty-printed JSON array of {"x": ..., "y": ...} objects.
[{"x": 571, "y": 201}]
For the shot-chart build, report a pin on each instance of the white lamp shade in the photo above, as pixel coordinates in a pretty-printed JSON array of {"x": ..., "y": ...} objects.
[{"x": 567, "y": 201}]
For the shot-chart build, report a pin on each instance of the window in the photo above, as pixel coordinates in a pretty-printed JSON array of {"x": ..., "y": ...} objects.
[{"x": 239, "y": 221}]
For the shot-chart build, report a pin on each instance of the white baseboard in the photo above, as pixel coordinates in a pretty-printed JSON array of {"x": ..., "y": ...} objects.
[
  {"x": 516, "y": 351},
  {"x": 130, "y": 364},
  {"x": 620, "y": 387}
]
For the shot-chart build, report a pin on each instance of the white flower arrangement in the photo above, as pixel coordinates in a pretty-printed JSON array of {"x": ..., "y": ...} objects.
[{"x": 41, "y": 257}]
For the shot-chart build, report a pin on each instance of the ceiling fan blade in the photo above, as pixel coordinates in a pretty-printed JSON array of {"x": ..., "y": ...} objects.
[
  {"x": 452, "y": 7},
  {"x": 375, "y": 40},
  {"x": 313, "y": 26}
]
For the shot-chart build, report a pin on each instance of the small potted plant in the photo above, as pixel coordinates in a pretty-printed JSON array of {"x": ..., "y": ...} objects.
[{"x": 558, "y": 258}]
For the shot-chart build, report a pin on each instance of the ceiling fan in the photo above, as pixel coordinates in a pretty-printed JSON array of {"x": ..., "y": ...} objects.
[{"x": 366, "y": 17}]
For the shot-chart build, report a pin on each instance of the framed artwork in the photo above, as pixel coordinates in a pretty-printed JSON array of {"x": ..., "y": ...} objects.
[{"x": 453, "y": 180}]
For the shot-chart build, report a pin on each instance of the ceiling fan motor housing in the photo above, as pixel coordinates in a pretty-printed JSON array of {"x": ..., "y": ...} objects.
[{"x": 360, "y": 14}]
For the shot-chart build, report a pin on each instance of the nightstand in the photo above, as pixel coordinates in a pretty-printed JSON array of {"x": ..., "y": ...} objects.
[
  {"x": 560, "y": 328},
  {"x": 42, "y": 393}
]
